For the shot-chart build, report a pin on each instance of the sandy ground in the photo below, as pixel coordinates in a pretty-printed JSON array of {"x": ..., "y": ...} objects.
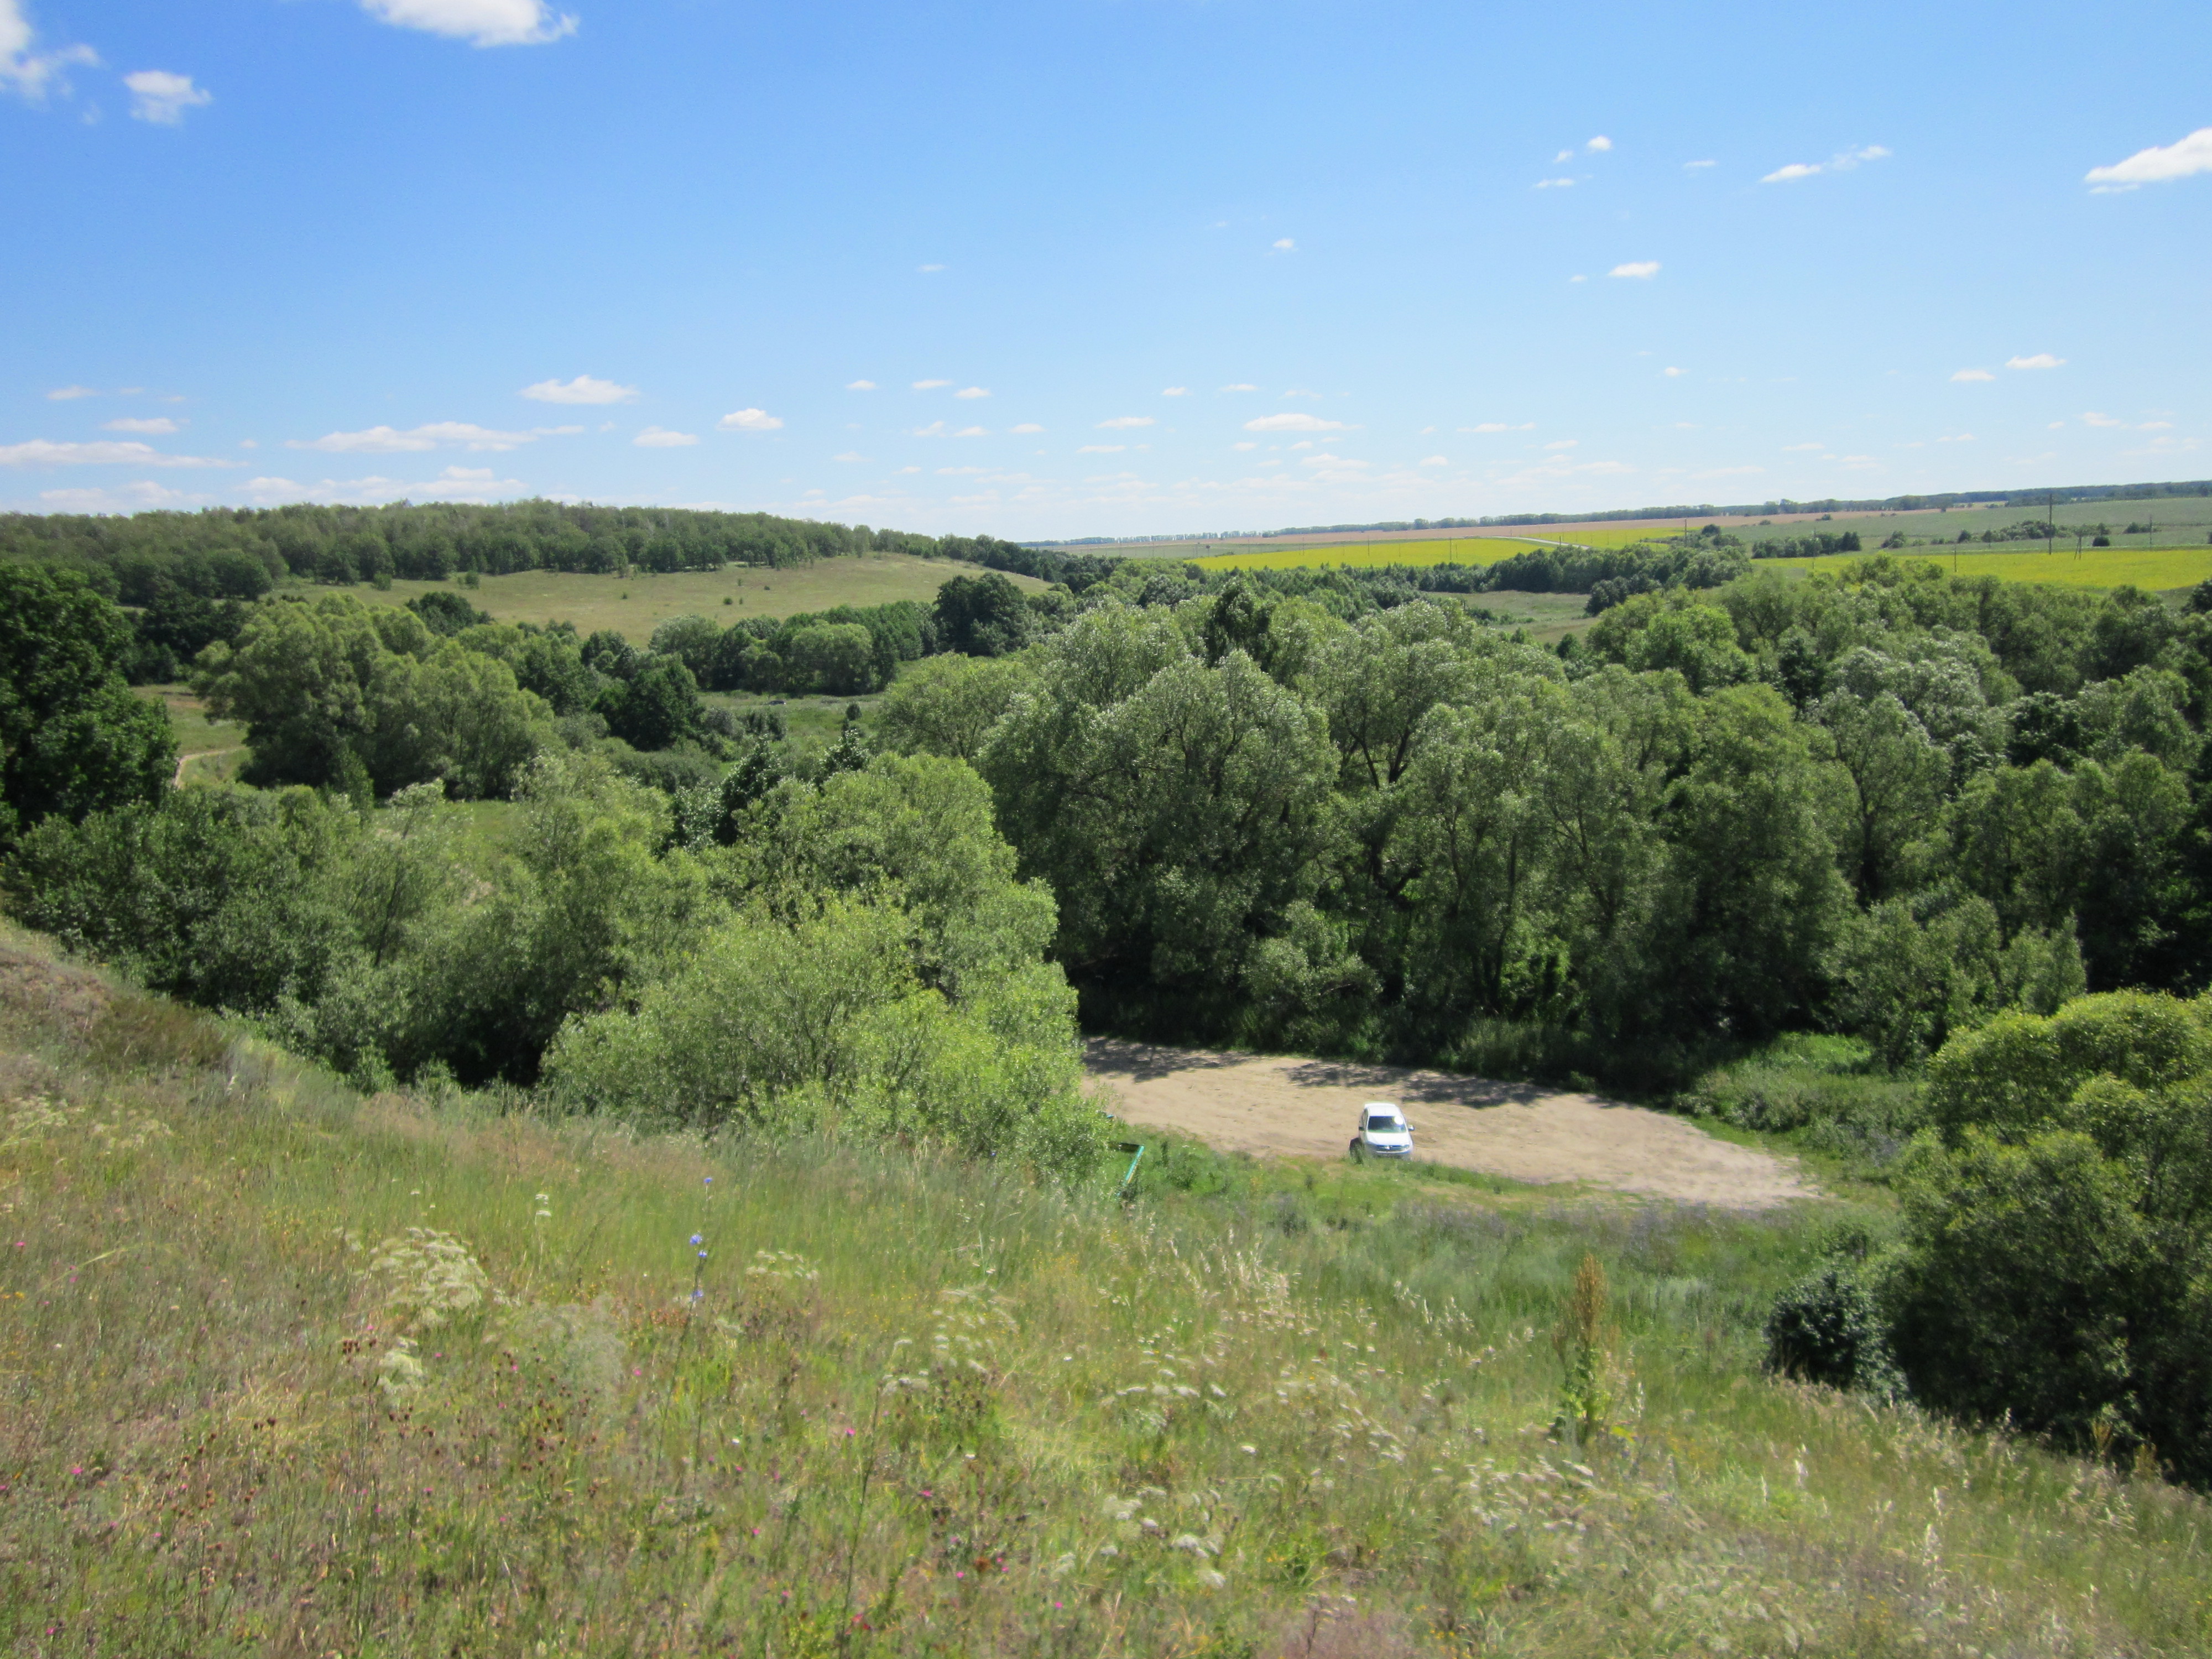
[{"x": 1308, "y": 1107}]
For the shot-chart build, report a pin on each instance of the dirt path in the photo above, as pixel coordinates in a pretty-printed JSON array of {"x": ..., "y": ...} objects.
[{"x": 1307, "y": 1109}]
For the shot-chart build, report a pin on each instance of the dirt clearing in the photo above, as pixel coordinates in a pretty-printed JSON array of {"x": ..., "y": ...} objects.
[{"x": 1284, "y": 1105}]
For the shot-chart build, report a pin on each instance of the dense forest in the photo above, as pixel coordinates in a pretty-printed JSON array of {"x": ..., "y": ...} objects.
[{"x": 1955, "y": 830}]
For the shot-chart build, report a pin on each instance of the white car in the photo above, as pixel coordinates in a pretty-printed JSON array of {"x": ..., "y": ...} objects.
[{"x": 1384, "y": 1132}]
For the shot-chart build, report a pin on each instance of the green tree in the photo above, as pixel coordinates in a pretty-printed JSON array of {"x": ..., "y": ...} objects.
[
  {"x": 653, "y": 707},
  {"x": 947, "y": 705},
  {"x": 1896, "y": 774},
  {"x": 839, "y": 658},
  {"x": 983, "y": 615},
  {"x": 73, "y": 739},
  {"x": 1177, "y": 811}
]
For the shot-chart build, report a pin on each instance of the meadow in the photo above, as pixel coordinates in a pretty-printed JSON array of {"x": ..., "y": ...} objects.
[
  {"x": 636, "y": 605},
  {"x": 293, "y": 1370}
]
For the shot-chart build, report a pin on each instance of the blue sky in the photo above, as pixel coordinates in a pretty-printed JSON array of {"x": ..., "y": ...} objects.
[{"x": 1105, "y": 267}]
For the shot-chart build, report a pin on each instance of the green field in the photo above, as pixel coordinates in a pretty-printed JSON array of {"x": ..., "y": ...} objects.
[
  {"x": 634, "y": 605},
  {"x": 2158, "y": 568}
]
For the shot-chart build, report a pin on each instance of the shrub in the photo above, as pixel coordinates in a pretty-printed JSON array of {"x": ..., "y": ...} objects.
[{"x": 1828, "y": 1329}]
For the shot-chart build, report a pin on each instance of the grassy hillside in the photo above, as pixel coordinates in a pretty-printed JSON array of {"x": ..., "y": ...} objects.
[
  {"x": 291, "y": 1371},
  {"x": 634, "y": 605}
]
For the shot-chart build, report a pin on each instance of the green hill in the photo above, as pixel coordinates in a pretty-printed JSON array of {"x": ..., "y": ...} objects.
[{"x": 289, "y": 1370}]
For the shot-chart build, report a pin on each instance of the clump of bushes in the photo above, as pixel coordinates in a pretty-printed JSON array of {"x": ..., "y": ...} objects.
[
  {"x": 2054, "y": 1264},
  {"x": 1828, "y": 1087}
]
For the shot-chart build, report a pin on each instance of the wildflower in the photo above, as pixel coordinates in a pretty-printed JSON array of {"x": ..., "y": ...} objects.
[{"x": 698, "y": 1238}]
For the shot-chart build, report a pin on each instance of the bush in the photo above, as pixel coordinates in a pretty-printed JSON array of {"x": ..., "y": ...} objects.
[
  {"x": 1828, "y": 1329},
  {"x": 1827, "y": 1087}
]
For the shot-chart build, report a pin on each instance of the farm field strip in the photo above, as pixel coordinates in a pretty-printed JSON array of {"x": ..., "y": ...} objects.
[
  {"x": 2158, "y": 568},
  {"x": 1464, "y": 549}
]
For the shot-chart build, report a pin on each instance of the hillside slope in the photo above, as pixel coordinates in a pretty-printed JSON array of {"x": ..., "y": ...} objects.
[{"x": 288, "y": 1371}]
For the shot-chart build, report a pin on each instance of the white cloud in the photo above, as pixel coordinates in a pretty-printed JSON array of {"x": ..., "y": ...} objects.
[
  {"x": 2093, "y": 418},
  {"x": 1957, "y": 437},
  {"x": 1243, "y": 444},
  {"x": 971, "y": 432},
  {"x": 973, "y": 391},
  {"x": 1673, "y": 373},
  {"x": 581, "y": 390},
  {"x": 40, "y": 451},
  {"x": 143, "y": 496},
  {"x": 2156, "y": 165},
  {"x": 157, "y": 425},
  {"x": 1601, "y": 142},
  {"x": 859, "y": 385},
  {"x": 1973, "y": 375},
  {"x": 1303, "y": 391},
  {"x": 480, "y": 23},
  {"x": 903, "y": 470},
  {"x": 926, "y": 269},
  {"x": 2155, "y": 426},
  {"x": 1564, "y": 155},
  {"x": 63, "y": 394},
  {"x": 1500, "y": 426},
  {"x": 1124, "y": 423},
  {"x": 30, "y": 74},
  {"x": 749, "y": 420},
  {"x": 1241, "y": 386},
  {"x": 930, "y": 386},
  {"x": 934, "y": 430},
  {"x": 1563, "y": 443},
  {"x": 1579, "y": 279},
  {"x": 1285, "y": 244},
  {"x": 1295, "y": 423},
  {"x": 158, "y": 96},
  {"x": 1842, "y": 161},
  {"x": 1434, "y": 461},
  {"x": 1025, "y": 427},
  {"x": 1102, "y": 449},
  {"x": 1640, "y": 270},
  {"x": 1552, "y": 183},
  {"x": 1174, "y": 392},
  {"x": 1799, "y": 449},
  {"x": 1693, "y": 166},
  {"x": 2041, "y": 360},
  {"x": 849, "y": 455},
  {"x": 659, "y": 437},
  {"x": 961, "y": 471},
  {"x": 384, "y": 441}
]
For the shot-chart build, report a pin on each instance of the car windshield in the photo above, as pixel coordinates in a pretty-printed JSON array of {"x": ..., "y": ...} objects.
[{"x": 1384, "y": 1121}]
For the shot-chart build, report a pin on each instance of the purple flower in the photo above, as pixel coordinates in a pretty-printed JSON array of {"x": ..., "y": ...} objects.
[{"x": 698, "y": 1238}]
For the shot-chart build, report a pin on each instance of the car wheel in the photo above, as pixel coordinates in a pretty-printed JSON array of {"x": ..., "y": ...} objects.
[{"x": 1356, "y": 1152}]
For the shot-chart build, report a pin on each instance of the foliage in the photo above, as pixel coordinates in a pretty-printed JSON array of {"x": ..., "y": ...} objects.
[
  {"x": 2056, "y": 1245},
  {"x": 73, "y": 739},
  {"x": 335, "y": 689},
  {"x": 1828, "y": 1329}
]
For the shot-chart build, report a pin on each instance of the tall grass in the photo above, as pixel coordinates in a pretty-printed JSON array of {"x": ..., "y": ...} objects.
[{"x": 907, "y": 1405}]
